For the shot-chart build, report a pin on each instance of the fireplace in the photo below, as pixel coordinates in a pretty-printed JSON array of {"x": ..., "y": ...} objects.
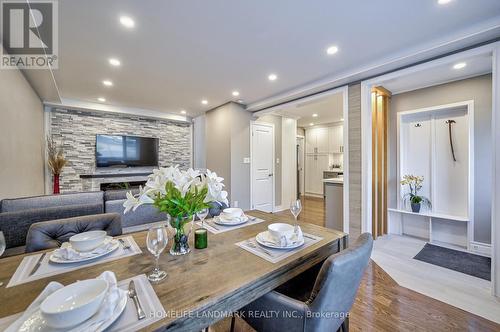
[{"x": 121, "y": 185}]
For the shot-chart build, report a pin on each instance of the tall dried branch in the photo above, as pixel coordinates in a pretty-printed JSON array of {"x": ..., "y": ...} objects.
[{"x": 56, "y": 160}]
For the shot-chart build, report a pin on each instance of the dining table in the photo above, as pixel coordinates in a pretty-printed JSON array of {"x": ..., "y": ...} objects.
[{"x": 219, "y": 279}]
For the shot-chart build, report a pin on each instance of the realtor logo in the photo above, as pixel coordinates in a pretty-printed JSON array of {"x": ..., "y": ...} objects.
[{"x": 29, "y": 34}]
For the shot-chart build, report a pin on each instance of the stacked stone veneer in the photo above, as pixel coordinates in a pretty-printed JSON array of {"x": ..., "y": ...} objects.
[{"x": 77, "y": 131}]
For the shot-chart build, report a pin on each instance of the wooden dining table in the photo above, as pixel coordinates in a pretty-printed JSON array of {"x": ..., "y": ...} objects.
[{"x": 221, "y": 278}]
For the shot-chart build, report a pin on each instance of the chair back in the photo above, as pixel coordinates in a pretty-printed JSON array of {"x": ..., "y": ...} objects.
[{"x": 336, "y": 286}]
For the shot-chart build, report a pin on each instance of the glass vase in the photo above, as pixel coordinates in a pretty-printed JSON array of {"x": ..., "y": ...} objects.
[{"x": 180, "y": 244}]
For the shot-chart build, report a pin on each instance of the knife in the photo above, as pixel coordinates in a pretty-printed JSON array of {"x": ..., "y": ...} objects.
[
  {"x": 37, "y": 265},
  {"x": 132, "y": 293}
]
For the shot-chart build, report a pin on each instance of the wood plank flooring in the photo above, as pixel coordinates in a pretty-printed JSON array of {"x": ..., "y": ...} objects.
[{"x": 382, "y": 305}]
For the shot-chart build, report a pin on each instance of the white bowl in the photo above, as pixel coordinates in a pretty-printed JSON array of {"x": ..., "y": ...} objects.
[
  {"x": 232, "y": 212},
  {"x": 278, "y": 230},
  {"x": 87, "y": 241},
  {"x": 73, "y": 304}
]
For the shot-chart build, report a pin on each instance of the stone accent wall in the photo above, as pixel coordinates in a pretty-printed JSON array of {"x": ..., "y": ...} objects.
[
  {"x": 355, "y": 158},
  {"x": 77, "y": 131}
]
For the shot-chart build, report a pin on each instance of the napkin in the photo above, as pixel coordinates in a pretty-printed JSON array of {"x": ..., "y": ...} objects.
[
  {"x": 296, "y": 237},
  {"x": 111, "y": 300},
  {"x": 66, "y": 252},
  {"x": 33, "y": 307}
]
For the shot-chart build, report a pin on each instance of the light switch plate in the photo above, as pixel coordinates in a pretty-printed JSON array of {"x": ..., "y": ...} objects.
[
  {"x": 277, "y": 160},
  {"x": 246, "y": 160}
]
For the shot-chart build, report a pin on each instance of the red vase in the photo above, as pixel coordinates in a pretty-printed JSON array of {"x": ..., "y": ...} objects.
[{"x": 56, "y": 183}]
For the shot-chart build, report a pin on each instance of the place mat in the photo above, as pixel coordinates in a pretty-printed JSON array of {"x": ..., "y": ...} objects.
[
  {"x": 48, "y": 269},
  {"x": 214, "y": 228},
  {"x": 128, "y": 320},
  {"x": 276, "y": 255}
]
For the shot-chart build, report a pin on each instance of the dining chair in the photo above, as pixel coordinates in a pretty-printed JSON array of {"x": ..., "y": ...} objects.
[
  {"x": 51, "y": 234},
  {"x": 313, "y": 301}
]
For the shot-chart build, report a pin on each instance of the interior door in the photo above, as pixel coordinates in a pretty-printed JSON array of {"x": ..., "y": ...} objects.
[
  {"x": 300, "y": 165},
  {"x": 262, "y": 167}
]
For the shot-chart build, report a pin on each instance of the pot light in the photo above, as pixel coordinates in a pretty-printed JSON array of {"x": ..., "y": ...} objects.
[
  {"x": 236, "y": 93},
  {"x": 311, "y": 124},
  {"x": 101, "y": 99},
  {"x": 204, "y": 102},
  {"x": 272, "y": 77},
  {"x": 114, "y": 62},
  {"x": 127, "y": 21},
  {"x": 341, "y": 119},
  {"x": 460, "y": 65},
  {"x": 444, "y": 2},
  {"x": 183, "y": 112},
  {"x": 107, "y": 83},
  {"x": 332, "y": 50},
  {"x": 315, "y": 115}
]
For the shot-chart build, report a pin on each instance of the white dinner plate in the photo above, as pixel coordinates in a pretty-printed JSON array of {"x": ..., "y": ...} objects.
[
  {"x": 227, "y": 222},
  {"x": 36, "y": 322},
  {"x": 264, "y": 239},
  {"x": 58, "y": 260}
]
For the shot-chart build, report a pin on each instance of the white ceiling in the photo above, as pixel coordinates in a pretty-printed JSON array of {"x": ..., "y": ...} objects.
[
  {"x": 328, "y": 109},
  {"x": 183, "y": 51},
  {"x": 477, "y": 65}
]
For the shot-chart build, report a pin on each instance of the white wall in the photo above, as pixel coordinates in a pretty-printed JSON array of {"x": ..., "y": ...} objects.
[
  {"x": 199, "y": 146},
  {"x": 22, "y": 143},
  {"x": 288, "y": 161},
  {"x": 477, "y": 89}
]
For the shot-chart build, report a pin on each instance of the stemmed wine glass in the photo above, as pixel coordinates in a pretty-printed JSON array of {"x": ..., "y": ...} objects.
[
  {"x": 202, "y": 214},
  {"x": 295, "y": 208},
  {"x": 157, "y": 240},
  {"x": 2, "y": 248}
]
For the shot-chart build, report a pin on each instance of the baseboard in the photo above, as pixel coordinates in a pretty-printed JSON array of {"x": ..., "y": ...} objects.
[{"x": 480, "y": 248}]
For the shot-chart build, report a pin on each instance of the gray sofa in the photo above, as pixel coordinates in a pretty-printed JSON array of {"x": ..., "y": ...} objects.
[{"x": 17, "y": 215}]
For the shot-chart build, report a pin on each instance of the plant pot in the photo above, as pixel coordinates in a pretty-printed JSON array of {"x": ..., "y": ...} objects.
[
  {"x": 180, "y": 244},
  {"x": 415, "y": 207}
]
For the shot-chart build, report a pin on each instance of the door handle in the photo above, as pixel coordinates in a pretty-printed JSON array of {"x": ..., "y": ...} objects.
[{"x": 270, "y": 175}]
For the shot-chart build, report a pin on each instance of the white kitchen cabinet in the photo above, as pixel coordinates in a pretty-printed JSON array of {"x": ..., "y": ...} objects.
[
  {"x": 317, "y": 140},
  {"x": 315, "y": 165},
  {"x": 336, "y": 139}
]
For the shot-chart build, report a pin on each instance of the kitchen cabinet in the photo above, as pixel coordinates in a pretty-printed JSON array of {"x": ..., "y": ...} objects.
[
  {"x": 336, "y": 139},
  {"x": 317, "y": 140},
  {"x": 315, "y": 165}
]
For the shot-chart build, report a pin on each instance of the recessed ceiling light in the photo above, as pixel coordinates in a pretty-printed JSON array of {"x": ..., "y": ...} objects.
[
  {"x": 101, "y": 99},
  {"x": 114, "y": 62},
  {"x": 127, "y": 21},
  {"x": 183, "y": 112},
  {"x": 315, "y": 115},
  {"x": 204, "y": 101},
  {"x": 444, "y": 2},
  {"x": 236, "y": 93},
  {"x": 272, "y": 77},
  {"x": 311, "y": 124},
  {"x": 107, "y": 83},
  {"x": 332, "y": 50},
  {"x": 460, "y": 65},
  {"x": 341, "y": 119}
]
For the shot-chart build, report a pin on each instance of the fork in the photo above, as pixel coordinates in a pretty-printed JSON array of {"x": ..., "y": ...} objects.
[
  {"x": 124, "y": 245},
  {"x": 253, "y": 245}
]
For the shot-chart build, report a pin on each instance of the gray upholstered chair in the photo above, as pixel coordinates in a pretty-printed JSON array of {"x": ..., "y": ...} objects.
[
  {"x": 322, "y": 307},
  {"x": 51, "y": 234}
]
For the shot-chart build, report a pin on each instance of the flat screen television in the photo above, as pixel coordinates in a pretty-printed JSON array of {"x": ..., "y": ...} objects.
[{"x": 133, "y": 151}]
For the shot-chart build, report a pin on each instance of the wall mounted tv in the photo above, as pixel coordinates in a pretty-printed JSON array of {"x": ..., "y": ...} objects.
[{"x": 132, "y": 151}]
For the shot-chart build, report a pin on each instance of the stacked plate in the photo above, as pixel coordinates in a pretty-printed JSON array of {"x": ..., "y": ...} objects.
[
  {"x": 83, "y": 247},
  {"x": 231, "y": 217},
  {"x": 281, "y": 236},
  {"x": 78, "y": 307}
]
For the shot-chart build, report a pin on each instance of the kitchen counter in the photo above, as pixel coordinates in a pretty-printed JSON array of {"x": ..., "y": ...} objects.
[{"x": 334, "y": 180}]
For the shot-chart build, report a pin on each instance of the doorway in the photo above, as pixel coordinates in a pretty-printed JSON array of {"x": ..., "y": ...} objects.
[{"x": 262, "y": 167}]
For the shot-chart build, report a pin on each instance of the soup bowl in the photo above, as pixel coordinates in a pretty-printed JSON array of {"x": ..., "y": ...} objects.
[{"x": 87, "y": 241}]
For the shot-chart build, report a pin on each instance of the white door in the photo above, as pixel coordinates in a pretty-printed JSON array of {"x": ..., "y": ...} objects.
[
  {"x": 310, "y": 141},
  {"x": 262, "y": 167}
]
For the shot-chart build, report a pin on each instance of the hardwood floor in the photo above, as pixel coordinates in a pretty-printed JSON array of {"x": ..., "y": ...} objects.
[{"x": 382, "y": 305}]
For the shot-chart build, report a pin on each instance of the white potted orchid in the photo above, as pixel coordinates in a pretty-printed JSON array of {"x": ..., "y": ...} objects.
[{"x": 180, "y": 194}]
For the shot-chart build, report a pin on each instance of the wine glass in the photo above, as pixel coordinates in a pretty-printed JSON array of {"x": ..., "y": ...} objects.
[
  {"x": 157, "y": 240},
  {"x": 2, "y": 248},
  {"x": 202, "y": 214},
  {"x": 295, "y": 208}
]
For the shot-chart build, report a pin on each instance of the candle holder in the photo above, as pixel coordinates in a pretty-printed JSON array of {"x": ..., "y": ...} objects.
[{"x": 201, "y": 238}]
